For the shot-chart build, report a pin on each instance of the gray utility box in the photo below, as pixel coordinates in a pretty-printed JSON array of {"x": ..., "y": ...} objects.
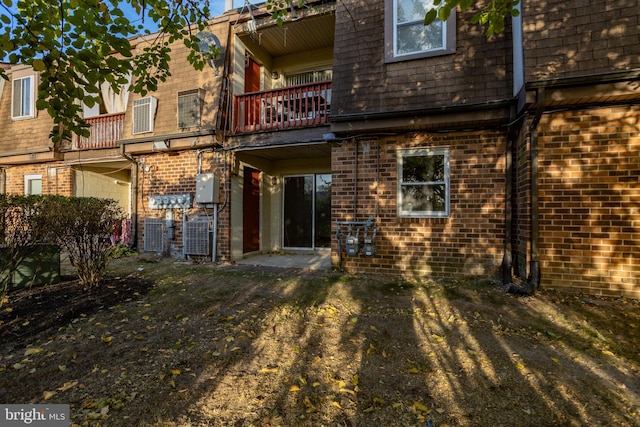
[
  {"x": 207, "y": 188},
  {"x": 40, "y": 267}
]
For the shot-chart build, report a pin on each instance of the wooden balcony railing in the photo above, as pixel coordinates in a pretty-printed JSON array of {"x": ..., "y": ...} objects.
[
  {"x": 105, "y": 132},
  {"x": 286, "y": 108}
]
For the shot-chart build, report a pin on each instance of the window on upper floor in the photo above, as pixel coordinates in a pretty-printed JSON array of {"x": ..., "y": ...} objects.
[
  {"x": 32, "y": 184},
  {"x": 109, "y": 100},
  {"x": 23, "y": 102},
  {"x": 190, "y": 103},
  {"x": 144, "y": 112},
  {"x": 423, "y": 183},
  {"x": 406, "y": 36}
]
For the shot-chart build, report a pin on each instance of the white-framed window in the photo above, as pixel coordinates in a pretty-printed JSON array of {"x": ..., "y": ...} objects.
[
  {"x": 32, "y": 184},
  {"x": 406, "y": 36},
  {"x": 423, "y": 182},
  {"x": 144, "y": 112},
  {"x": 190, "y": 104},
  {"x": 23, "y": 102}
]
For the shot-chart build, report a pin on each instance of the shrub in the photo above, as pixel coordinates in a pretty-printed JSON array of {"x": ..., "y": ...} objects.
[
  {"x": 83, "y": 226},
  {"x": 22, "y": 227}
]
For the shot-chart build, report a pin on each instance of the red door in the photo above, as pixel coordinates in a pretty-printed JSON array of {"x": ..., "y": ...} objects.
[
  {"x": 252, "y": 84},
  {"x": 251, "y": 211}
]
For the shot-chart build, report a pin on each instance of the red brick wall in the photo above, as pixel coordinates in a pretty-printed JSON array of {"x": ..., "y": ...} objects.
[
  {"x": 57, "y": 178},
  {"x": 468, "y": 243},
  {"x": 590, "y": 201},
  {"x": 521, "y": 203},
  {"x": 175, "y": 173}
]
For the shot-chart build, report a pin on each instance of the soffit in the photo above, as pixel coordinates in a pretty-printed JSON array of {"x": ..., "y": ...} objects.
[
  {"x": 302, "y": 35},
  {"x": 288, "y": 151}
]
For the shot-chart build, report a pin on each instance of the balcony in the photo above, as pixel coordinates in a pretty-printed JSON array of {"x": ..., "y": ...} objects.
[
  {"x": 292, "y": 107},
  {"x": 105, "y": 132}
]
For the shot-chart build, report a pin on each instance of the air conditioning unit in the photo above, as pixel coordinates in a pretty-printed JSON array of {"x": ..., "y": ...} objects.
[
  {"x": 153, "y": 235},
  {"x": 144, "y": 111},
  {"x": 197, "y": 237}
]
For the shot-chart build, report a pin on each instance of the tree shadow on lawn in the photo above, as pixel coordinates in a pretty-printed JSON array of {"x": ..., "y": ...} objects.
[{"x": 245, "y": 346}]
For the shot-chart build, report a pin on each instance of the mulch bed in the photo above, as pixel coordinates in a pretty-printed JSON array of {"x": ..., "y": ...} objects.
[{"x": 33, "y": 310}]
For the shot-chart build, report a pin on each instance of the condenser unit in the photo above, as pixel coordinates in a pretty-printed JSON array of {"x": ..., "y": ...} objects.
[
  {"x": 197, "y": 237},
  {"x": 153, "y": 238}
]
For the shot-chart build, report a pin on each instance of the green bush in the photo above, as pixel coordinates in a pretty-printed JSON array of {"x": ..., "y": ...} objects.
[
  {"x": 22, "y": 228},
  {"x": 82, "y": 226}
]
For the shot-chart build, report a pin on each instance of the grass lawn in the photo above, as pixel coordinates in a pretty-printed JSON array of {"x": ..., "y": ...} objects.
[{"x": 166, "y": 344}]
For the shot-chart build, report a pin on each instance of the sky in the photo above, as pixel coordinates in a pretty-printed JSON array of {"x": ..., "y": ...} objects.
[{"x": 217, "y": 8}]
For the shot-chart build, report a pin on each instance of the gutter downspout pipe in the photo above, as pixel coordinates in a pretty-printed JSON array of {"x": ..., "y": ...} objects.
[
  {"x": 134, "y": 196},
  {"x": 533, "y": 281}
]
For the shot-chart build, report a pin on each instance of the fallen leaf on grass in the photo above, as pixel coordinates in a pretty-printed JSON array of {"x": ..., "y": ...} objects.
[
  {"x": 420, "y": 407},
  {"x": 33, "y": 350},
  {"x": 68, "y": 385},
  {"x": 309, "y": 405},
  {"x": 336, "y": 404},
  {"x": 175, "y": 372},
  {"x": 346, "y": 390},
  {"x": 48, "y": 394},
  {"x": 269, "y": 370},
  {"x": 106, "y": 339},
  {"x": 294, "y": 388}
]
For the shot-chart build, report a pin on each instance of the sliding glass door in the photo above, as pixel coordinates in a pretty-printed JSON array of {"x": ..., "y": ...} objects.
[{"x": 307, "y": 211}]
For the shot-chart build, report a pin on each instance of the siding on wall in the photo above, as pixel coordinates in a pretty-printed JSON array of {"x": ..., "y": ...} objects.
[
  {"x": 480, "y": 70},
  {"x": 580, "y": 37},
  {"x": 468, "y": 243},
  {"x": 26, "y": 134}
]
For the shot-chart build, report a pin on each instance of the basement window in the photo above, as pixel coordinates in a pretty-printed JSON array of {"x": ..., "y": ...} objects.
[{"x": 423, "y": 183}]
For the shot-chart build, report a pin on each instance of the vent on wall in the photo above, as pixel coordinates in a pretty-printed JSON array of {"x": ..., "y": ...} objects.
[
  {"x": 144, "y": 111},
  {"x": 153, "y": 239},
  {"x": 197, "y": 238}
]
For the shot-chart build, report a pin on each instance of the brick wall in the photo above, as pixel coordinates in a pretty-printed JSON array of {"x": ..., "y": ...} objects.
[
  {"x": 479, "y": 71},
  {"x": 468, "y": 243},
  {"x": 175, "y": 173},
  {"x": 521, "y": 202},
  {"x": 590, "y": 201},
  {"x": 57, "y": 178},
  {"x": 579, "y": 37}
]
